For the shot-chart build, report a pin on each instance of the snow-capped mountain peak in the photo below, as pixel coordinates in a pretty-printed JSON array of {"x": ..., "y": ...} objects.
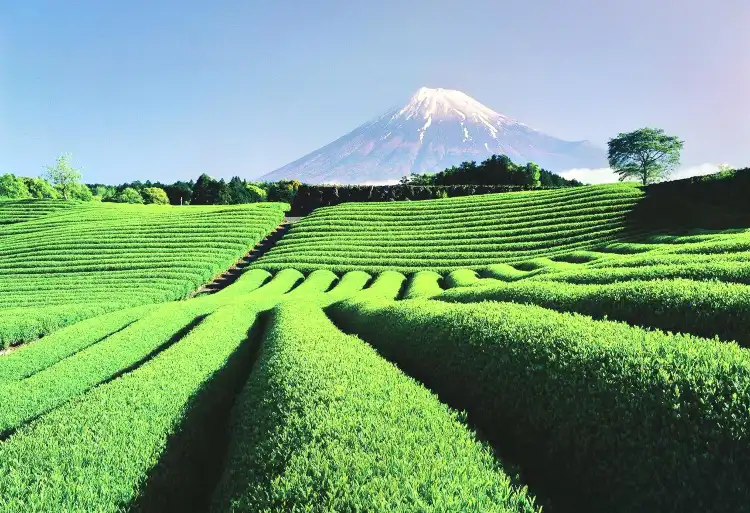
[
  {"x": 435, "y": 129},
  {"x": 426, "y": 103}
]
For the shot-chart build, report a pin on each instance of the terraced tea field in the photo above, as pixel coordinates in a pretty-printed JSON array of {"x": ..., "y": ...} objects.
[
  {"x": 509, "y": 352},
  {"x": 61, "y": 262},
  {"x": 443, "y": 235}
]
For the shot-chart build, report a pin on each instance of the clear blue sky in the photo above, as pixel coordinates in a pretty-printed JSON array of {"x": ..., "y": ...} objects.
[{"x": 169, "y": 89}]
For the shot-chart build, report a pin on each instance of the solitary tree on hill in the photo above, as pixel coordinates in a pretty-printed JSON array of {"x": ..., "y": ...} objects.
[
  {"x": 647, "y": 154},
  {"x": 63, "y": 176}
]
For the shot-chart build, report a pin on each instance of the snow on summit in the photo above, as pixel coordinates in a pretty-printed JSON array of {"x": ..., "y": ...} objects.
[
  {"x": 445, "y": 103},
  {"x": 433, "y": 130}
]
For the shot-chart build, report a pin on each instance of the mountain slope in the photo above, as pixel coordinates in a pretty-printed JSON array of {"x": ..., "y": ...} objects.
[{"x": 436, "y": 129}]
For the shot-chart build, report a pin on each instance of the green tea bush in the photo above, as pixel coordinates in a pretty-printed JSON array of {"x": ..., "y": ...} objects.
[
  {"x": 600, "y": 415},
  {"x": 387, "y": 285},
  {"x": 731, "y": 272},
  {"x": 318, "y": 281},
  {"x": 105, "y": 451},
  {"x": 706, "y": 309},
  {"x": 461, "y": 278},
  {"x": 33, "y": 358},
  {"x": 72, "y": 376},
  {"x": 423, "y": 284},
  {"x": 325, "y": 424},
  {"x": 64, "y": 261},
  {"x": 351, "y": 282},
  {"x": 504, "y": 272},
  {"x": 448, "y": 234}
]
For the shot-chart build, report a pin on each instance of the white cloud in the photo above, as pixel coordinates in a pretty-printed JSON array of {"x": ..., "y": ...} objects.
[
  {"x": 593, "y": 176},
  {"x": 382, "y": 182},
  {"x": 606, "y": 175}
]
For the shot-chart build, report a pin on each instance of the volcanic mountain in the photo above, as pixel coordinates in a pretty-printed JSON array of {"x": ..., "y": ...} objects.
[{"x": 436, "y": 129}]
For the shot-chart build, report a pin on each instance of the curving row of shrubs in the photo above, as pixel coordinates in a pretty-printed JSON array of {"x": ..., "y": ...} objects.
[
  {"x": 61, "y": 265},
  {"x": 708, "y": 309},
  {"x": 325, "y": 424},
  {"x": 600, "y": 416}
]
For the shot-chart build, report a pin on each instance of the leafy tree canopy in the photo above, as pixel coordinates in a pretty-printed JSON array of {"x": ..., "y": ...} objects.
[
  {"x": 205, "y": 191},
  {"x": 155, "y": 196},
  {"x": 129, "y": 195},
  {"x": 238, "y": 191},
  {"x": 223, "y": 194},
  {"x": 104, "y": 192},
  {"x": 284, "y": 190},
  {"x": 40, "y": 188},
  {"x": 496, "y": 170},
  {"x": 64, "y": 177},
  {"x": 646, "y": 154},
  {"x": 255, "y": 193},
  {"x": 179, "y": 193},
  {"x": 13, "y": 188}
]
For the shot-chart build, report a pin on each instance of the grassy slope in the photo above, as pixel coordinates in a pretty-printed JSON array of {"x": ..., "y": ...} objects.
[
  {"x": 160, "y": 423},
  {"x": 442, "y": 235},
  {"x": 61, "y": 262},
  {"x": 519, "y": 242},
  {"x": 560, "y": 250},
  {"x": 600, "y": 415}
]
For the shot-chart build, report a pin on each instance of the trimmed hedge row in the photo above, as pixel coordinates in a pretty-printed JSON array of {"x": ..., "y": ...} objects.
[
  {"x": 77, "y": 358},
  {"x": 72, "y": 251},
  {"x": 423, "y": 284},
  {"x": 731, "y": 272},
  {"x": 33, "y": 358},
  {"x": 387, "y": 285},
  {"x": 105, "y": 451},
  {"x": 706, "y": 309},
  {"x": 72, "y": 376},
  {"x": 443, "y": 235},
  {"x": 310, "y": 197},
  {"x": 26, "y": 324},
  {"x": 461, "y": 278},
  {"x": 349, "y": 284},
  {"x": 325, "y": 424},
  {"x": 603, "y": 416}
]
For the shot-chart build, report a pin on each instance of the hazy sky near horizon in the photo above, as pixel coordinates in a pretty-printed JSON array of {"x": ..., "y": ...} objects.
[{"x": 167, "y": 90}]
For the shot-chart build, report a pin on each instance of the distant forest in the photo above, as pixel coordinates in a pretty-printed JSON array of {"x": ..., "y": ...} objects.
[
  {"x": 496, "y": 170},
  {"x": 203, "y": 191}
]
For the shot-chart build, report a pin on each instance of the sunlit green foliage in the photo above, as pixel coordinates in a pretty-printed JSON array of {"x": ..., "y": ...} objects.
[
  {"x": 61, "y": 262},
  {"x": 703, "y": 308},
  {"x": 147, "y": 401},
  {"x": 12, "y": 187},
  {"x": 154, "y": 196},
  {"x": 444, "y": 235},
  {"x": 325, "y": 424},
  {"x": 632, "y": 420}
]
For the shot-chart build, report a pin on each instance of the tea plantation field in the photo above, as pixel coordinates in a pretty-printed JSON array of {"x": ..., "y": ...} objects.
[
  {"x": 443, "y": 235},
  {"x": 520, "y": 352},
  {"x": 61, "y": 262}
]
